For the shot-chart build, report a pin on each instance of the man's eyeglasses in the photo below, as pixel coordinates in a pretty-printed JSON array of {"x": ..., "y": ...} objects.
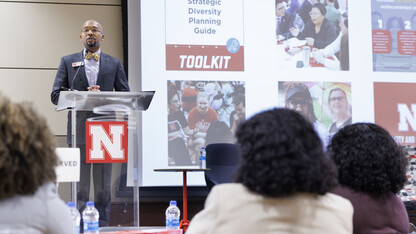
[
  {"x": 333, "y": 99},
  {"x": 93, "y": 30},
  {"x": 280, "y": 8}
]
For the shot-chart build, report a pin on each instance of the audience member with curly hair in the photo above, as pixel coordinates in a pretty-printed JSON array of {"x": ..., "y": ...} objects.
[
  {"x": 28, "y": 199},
  {"x": 282, "y": 183},
  {"x": 371, "y": 170}
]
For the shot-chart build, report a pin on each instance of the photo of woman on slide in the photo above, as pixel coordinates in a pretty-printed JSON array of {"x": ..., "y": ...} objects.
[
  {"x": 325, "y": 104},
  {"x": 326, "y": 28},
  {"x": 198, "y": 111}
]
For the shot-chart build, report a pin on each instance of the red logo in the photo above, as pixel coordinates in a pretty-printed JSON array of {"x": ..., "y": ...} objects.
[{"x": 106, "y": 141}]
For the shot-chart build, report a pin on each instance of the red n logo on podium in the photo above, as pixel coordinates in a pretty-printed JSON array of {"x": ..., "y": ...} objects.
[{"x": 106, "y": 141}]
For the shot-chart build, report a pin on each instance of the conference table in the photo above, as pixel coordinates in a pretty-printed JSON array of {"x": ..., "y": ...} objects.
[
  {"x": 184, "y": 222},
  {"x": 290, "y": 55}
]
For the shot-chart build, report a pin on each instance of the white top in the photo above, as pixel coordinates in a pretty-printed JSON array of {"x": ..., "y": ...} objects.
[
  {"x": 92, "y": 67},
  {"x": 41, "y": 213},
  {"x": 232, "y": 208},
  {"x": 331, "y": 50}
]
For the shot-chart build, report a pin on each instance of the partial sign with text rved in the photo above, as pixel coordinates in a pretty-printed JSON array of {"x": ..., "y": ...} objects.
[
  {"x": 106, "y": 141},
  {"x": 395, "y": 110}
]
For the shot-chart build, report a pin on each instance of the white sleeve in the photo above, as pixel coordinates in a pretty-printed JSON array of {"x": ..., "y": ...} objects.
[
  {"x": 332, "y": 48},
  {"x": 58, "y": 218}
]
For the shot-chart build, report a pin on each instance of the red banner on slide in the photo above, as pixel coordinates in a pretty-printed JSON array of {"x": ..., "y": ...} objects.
[
  {"x": 381, "y": 41},
  {"x": 395, "y": 110},
  {"x": 203, "y": 58}
]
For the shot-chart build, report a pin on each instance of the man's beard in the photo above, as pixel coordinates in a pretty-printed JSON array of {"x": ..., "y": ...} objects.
[{"x": 91, "y": 45}]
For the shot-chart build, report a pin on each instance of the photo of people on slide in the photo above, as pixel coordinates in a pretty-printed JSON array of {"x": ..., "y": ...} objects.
[
  {"x": 394, "y": 35},
  {"x": 201, "y": 113},
  {"x": 312, "y": 34},
  {"x": 325, "y": 104}
]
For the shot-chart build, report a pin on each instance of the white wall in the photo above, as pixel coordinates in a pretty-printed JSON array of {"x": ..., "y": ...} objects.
[{"x": 36, "y": 34}]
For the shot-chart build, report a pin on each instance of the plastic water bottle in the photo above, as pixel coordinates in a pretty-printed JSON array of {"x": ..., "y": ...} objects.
[
  {"x": 172, "y": 216},
  {"x": 203, "y": 158},
  {"x": 73, "y": 211},
  {"x": 90, "y": 216}
]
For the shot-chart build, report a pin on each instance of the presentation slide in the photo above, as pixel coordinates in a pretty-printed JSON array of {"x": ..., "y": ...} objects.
[
  {"x": 394, "y": 35},
  {"x": 216, "y": 63}
]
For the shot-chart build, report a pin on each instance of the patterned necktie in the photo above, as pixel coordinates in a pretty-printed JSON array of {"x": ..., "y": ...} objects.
[
  {"x": 91, "y": 55},
  {"x": 279, "y": 20}
]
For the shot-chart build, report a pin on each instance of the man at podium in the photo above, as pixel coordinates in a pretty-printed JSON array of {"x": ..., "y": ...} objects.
[{"x": 90, "y": 70}]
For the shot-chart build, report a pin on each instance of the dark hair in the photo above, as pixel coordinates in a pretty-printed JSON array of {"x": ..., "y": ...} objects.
[
  {"x": 321, "y": 7},
  {"x": 282, "y": 155},
  {"x": 218, "y": 132},
  {"x": 27, "y": 150},
  {"x": 368, "y": 159},
  {"x": 304, "y": 89},
  {"x": 344, "y": 57},
  {"x": 239, "y": 98},
  {"x": 345, "y": 15},
  {"x": 389, "y": 23},
  {"x": 278, "y": 2},
  {"x": 336, "y": 4}
]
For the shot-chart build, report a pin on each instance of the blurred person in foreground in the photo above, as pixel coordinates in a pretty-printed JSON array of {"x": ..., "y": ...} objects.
[
  {"x": 318, "y": 31},
  {"x": 371, "y": 171},
  {"x": 340, "y": 46},
  {"x": 29, "y": 202},
  {"x": 299, "y": 99},
  {"x": 282, "y": 183}
]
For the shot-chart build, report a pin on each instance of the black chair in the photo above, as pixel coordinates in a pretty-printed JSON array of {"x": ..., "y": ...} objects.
[{"x": 222, "y": 159}]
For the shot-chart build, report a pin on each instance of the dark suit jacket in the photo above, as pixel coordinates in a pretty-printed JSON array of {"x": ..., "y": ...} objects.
[
  {"x": 287, "y": 22},
  {"x": 304, "y": 10},
  {"x": 111, "y": 77},
  {"x": 326, "y": 35}
]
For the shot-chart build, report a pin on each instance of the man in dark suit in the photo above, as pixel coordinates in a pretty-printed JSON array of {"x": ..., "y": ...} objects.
[
  {"x": 90, "y": 70},
  {"x": 305, "y": 9},
  {"x": 285, "y": 21}
]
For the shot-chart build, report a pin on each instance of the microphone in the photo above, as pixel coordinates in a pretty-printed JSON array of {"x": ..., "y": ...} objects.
[{"x": 78, "y": 65}]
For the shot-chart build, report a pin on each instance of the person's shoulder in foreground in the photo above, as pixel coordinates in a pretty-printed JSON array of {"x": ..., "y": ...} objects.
[{"x": 232, "y": 208}]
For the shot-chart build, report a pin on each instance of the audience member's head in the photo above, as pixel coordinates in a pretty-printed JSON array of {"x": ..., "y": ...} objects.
[
  {"x": 202, "y": 101},
  {"x": 280, "y": 8},
  {"x": 239, "y": 102},
  {"x": 282, "y": 156},
  {"x": 298, "y": 98},
  {"x": 368, "y": 159},
  {"x": 27, "y": 150}
]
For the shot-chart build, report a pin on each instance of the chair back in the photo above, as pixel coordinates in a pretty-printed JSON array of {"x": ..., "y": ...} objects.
[{"x": 222, "y": 159}]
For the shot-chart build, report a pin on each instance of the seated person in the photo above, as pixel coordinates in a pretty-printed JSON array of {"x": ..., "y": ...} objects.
[
  {"x": 282, "y": 183},
  {"x": 238, "y": 115},
  {"x": 28, "y": 199},
  {"x": 318, "y": 32},
  {"x": 371, "y": 171},
  {"x": 199, "y": 120},
  {"x": 285, "y": 21},
  {"x": 340, "y": 45}
]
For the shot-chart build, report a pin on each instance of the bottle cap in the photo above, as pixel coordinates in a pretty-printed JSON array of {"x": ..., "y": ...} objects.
[
  {"x": 70, "y": 204},
  {"x": 90, "y": 203},
  {"x": 172, "y": 203}
]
